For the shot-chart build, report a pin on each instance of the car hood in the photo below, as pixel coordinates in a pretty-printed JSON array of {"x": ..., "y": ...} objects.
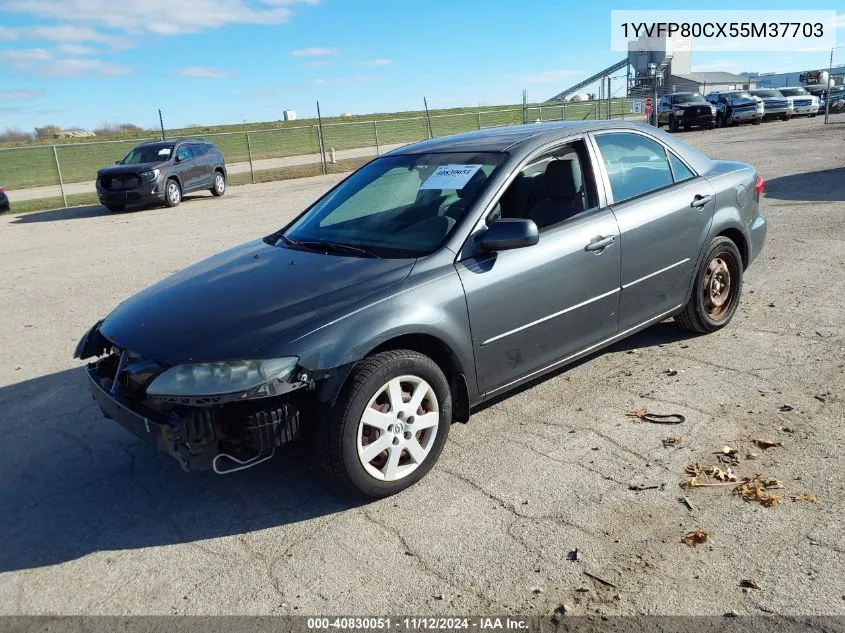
[
  {"x": 135, "y": 168},
  {"x": 231, "y": 305},
  {"x": 689, "y": 104}
]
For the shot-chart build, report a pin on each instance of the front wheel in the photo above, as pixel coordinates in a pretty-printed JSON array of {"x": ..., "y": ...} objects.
[
  {"x": 388, "y": 426},
  {"x": 219, "y": 187},
  {"x": 172, "y": 193},
  {"x": 718, "y": 285},
  {"x": 756, "y": 121},
  {"x": 673, "y": 124}
]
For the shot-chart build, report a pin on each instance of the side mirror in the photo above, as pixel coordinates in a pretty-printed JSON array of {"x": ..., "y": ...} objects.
[
  {"x": 508, "y": 233},
  {"x": 177, "y": 160}
]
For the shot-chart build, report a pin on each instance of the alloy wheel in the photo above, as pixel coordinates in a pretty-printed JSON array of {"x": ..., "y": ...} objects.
[
  {"x": 397, "y": 429},
  {"x": 219, "y": 183},
  {"x": 173, "y": 193}
]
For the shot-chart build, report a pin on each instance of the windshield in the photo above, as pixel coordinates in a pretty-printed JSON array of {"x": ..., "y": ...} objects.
[
  {"x": 148, "y": 154},
  {"x": 688, "y": 97},
  {"x": 793, "y": 92},
  {"x": 396, "y": 206},
  {"x": 766, "y": 93},
  {"x": 739, "y": 96}
]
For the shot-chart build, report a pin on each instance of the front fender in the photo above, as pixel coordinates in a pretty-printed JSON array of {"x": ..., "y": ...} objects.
[{"x": 430, "y": 303}]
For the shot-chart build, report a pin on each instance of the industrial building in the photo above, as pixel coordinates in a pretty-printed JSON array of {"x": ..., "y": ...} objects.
[{"x": 663, "y": 64}]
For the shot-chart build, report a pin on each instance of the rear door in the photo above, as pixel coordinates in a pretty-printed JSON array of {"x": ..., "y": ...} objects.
[
  {"x": 664, "y": 210},
  {"x": 203, "y": 165}
]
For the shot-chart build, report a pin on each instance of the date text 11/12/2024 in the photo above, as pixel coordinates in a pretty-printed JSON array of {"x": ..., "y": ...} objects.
[{"x": 416, "y": 623}]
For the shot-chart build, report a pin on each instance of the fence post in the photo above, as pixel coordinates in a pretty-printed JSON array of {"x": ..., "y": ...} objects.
[
  {"x": 375, "y": 134},
  {"x": 59, "y": 171},
  {"x": 479, "y": 120},
  {"x": 320, "y": 137},
  {"x": 249, "y": 153}
]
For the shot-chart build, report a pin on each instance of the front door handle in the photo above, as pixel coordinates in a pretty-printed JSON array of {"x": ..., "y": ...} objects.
[
  {"x": 599, "y": 243},
  {"x": 700, "y": 201}
]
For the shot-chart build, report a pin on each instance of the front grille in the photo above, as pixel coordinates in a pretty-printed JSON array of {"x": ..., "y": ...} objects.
[
  {"x": 741, "y": 107},
  {"x": 700, "y": 110},
  {"x": 803, "y": 102},
  {"x": 776, "y": 104},
  {"x": 120, "y": 183}
]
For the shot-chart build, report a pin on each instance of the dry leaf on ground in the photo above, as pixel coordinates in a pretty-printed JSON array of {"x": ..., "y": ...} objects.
[
  {"x": 804, "y": 496},
  {"x": 671, "y": 441},
  {"x": 766, "y": 444},
  {"x": 750, "y": 584},
  {"x": 695, "y": 537},
  {"x": 693, "y": 469},
  {"x": 717, "y": 473},
  {"x": 758, "y": 489}
]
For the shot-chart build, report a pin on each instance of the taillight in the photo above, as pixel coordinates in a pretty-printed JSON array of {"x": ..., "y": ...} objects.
[{"x": 759, "y": 185}]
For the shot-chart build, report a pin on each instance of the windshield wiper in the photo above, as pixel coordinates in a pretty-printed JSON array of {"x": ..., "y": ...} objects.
[{"x": 319, "y": 245}]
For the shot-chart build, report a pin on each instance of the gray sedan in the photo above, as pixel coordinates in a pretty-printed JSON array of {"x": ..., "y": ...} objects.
[{"x": 430, "y": 280}]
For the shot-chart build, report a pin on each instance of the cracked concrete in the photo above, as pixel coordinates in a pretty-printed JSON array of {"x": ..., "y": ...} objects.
[{"x": 95, "y": 523}]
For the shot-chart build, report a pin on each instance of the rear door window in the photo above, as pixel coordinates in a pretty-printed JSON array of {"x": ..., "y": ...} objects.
[{"x": 635, "y": 164}]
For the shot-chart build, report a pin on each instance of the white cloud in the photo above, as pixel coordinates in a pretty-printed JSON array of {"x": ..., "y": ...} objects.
[
  {"x": 76, "y": 49},
  {"x": 24, "y": 57},
  {"x": 70, "y": 34},
  {"x": 20, "y": 94},
  {"x": 314, "y": 52},
  {"x": 164, "y": 17},
  {"x": 207, "y": 73},
  {"x": 376, "y": 62},
  {"x": 78, "y": 67},
  {"x": 549, "y": 76},
  {"x": 840, "y": 21},
  {"x": 8, "y": 34}
]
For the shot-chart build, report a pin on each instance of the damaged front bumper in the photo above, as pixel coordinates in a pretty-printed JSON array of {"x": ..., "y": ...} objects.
[{"x": 224, "y": 437}]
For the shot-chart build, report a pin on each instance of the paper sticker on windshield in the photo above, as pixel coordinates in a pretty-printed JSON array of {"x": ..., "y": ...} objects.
[
  {"x": 164, "y": 151},
  {"x": 450, "y": 177}
]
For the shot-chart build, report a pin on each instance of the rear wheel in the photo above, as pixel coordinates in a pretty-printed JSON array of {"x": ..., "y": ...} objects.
[
  {"x": 219, "y": 187},
  {"x": 388, "y": 426},
  {"x": 718, "y": 286},
  {"x": 172, "y": 193}
]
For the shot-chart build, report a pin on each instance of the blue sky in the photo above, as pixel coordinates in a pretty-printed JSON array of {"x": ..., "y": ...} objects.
[{"x": 91, "y": 62}]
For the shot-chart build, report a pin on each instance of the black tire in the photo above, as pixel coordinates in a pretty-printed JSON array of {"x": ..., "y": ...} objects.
[
  {"x": 701, "y": 314},
  {"x": 115, "y": 208},
  {"x": 673, "y": 124},
  {"x": 172, "y": 193},
  {"x": 219, "y": 186},
  {"x": 785, "y": 117},
  {"x": 756, "y": 122},
  {"x": 338, "y": 430}
]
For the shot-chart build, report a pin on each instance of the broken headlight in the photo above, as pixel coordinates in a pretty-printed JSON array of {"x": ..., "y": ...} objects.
[{"x": 249, "y": 377}]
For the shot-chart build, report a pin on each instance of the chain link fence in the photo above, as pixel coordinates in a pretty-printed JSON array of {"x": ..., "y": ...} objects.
[{"x": 64, "y": 173}]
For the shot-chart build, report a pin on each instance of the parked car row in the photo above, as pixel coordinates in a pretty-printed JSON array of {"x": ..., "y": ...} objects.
[{"x": 686, "y": 110}]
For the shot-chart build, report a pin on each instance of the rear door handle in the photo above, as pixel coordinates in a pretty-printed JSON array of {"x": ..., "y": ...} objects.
[
  {"x": 700, "y": 201},
  {"x": 599, "y": 243}
]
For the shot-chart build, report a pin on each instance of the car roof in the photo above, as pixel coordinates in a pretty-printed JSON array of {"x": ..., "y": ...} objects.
[
  {"x": 516, "y": 138},
  {"x": 172, "y": 141}
]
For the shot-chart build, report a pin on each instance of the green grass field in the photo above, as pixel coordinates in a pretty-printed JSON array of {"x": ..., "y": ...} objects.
[{"x": 31, "y": 165}]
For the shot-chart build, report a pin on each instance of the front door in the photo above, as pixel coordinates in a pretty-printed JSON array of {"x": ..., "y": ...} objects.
[
  {"x": 532, "y": 308},
  {"x": 664, "y": 211}
]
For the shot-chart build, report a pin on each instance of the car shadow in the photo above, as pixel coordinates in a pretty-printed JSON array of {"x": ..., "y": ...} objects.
[
  {"x": 90, "y": 211},
  {"x": 75, "y": 483},
  {"x": 662, "y": 333},
  {"x": 68, "y": 213},
  {"x": 815, "y": 186}
]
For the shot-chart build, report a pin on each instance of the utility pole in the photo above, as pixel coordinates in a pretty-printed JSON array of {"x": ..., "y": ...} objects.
[
  {"x": 428, "y": 118},
  {"x": 827, "y": 88},
  {"x": 524, "y": 111},
  {"x": 161, "y": 123}
]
